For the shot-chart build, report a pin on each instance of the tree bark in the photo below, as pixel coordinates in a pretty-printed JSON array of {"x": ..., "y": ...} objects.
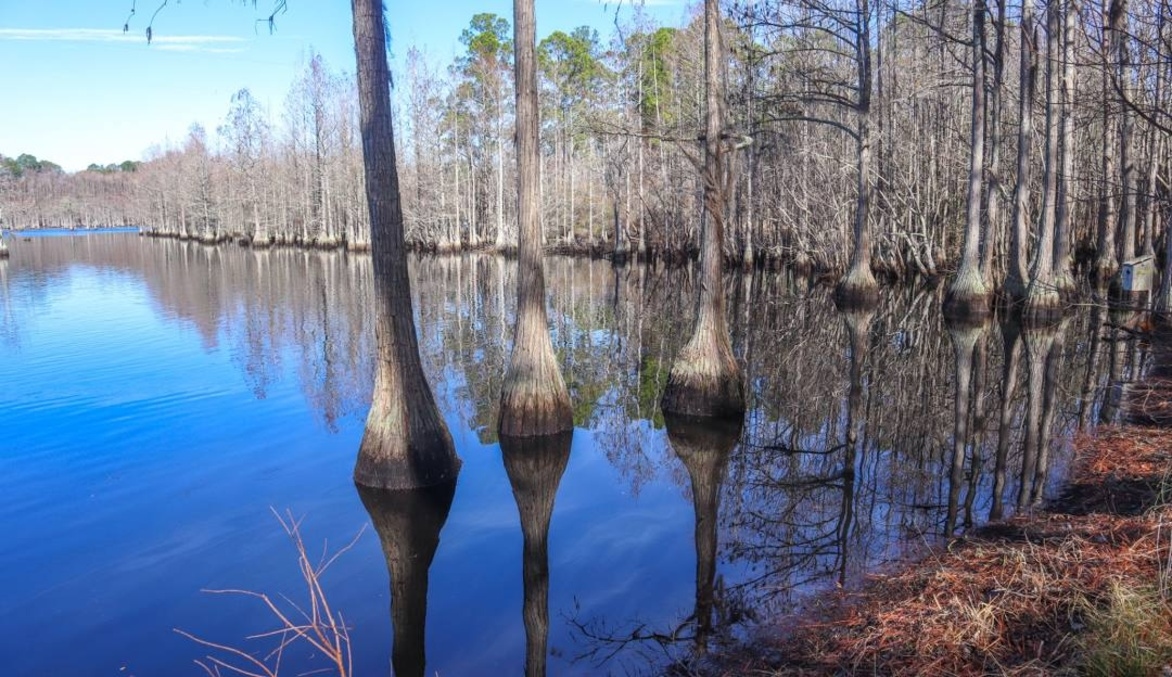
[
  {"x": 1063, "y": 276},
  {"x": 1106, "y": 257},
  {"x": 406, "y": 444},
  {"x": 1016, "y": 284},
  {"x": 705, "y": 380},
  {"x": 1042, "y": 300},
  {"x": 994, "y": 226},
  {"x": 858, "y": 288},
  {"x": 1117, "y": 21},
  {"x": 968, "y": 296},
  {"x": 534, "y": 399}
]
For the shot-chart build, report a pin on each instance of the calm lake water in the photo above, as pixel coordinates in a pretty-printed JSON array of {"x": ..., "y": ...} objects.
[{"x": 159, "y": 400}]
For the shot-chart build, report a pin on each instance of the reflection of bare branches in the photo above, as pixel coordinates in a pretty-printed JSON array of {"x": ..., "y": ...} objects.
[
  {"x": 604, "y": 642},
  {"x": 641, "y": 642},
  {"x": 850, "y": 438}
]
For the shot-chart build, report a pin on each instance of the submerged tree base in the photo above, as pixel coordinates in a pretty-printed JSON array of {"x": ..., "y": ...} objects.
[
  {"x": 705, "y": 382},
  {"x": 532, "y": 408},
  {"x": 967, "y": 305},
  {"x": 968, "y": 297},
  {"x": 396, "y": 465},
  {"x": 858, "y": 290},
  {"x": 847, "y": 297},
  {"x": 1043, "y": 305},
  {"x": 398, "y": 453}
]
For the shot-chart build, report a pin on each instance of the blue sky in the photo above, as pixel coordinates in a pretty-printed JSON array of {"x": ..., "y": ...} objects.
[{"x": 74, "y": 89}]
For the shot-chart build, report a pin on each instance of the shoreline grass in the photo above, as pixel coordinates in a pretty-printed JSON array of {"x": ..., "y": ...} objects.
[{"x": 1083, "y": 586}]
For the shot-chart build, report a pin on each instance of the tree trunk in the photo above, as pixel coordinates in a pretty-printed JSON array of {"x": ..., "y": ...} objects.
[
  {"x": 534, "y": 400},
  {"x": 706, "y": 380},
  {"x": 1063, "y": 276},
  {"x": 858, "y": 288},
  {"x": 1150, "y": 204},
  {"x": 501, "y": 243},
  {"x": 1042, "y": 300},
  {"x": 1016, "y": 283},
  {"x": 994, "y": 227},
  {"x": 406, "y": 444},
  {"x": 968, "y": 296},
  {"x": 1106, "y": 257},
  {"x": 1117, "y": 21}
]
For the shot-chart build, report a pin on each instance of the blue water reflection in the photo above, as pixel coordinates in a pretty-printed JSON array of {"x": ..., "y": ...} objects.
[{"x": 158, "y": 398}]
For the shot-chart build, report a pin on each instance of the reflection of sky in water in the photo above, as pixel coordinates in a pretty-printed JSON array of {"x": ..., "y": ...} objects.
[{"x": 158, "y": 398}]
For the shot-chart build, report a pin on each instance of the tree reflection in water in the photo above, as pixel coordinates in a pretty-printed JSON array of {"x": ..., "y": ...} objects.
[
  {"x": 9, "y": 336},
  {"x": 864, "y": 432},
  {"x": 408, "y": 523},
  {"x": 535, "y": 466}
]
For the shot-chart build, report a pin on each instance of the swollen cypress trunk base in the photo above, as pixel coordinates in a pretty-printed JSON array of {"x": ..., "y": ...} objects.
[
  {"x": 858, "y": 290},
  {"x": 705, "y": 381},
  {"x": 534, "y": 398},
  {"x": 968, "y": 297},
  {"x": 406, "y": 444},
  {"x": 1043, "y": 304},
  {"x": 402, "y": 448}
]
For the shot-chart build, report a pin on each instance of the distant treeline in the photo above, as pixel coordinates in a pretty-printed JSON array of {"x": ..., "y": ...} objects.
[{"x": 848, "y": 121}]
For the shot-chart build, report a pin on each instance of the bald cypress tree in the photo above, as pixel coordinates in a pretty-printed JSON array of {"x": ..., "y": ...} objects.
[
  {"x": 706, "y": 379},
  {"x": 534, "y": 399},
  {"x": 406, "y": 444},
  {"x": 968, "y": 295}
]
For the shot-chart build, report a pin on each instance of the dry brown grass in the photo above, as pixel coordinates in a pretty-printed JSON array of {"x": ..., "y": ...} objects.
[
  {"x": 313, "y": 623},
  {"x": 1061, "y": 591}
]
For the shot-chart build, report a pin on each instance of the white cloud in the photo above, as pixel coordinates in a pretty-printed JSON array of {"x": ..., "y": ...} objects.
[{"x": 175, "y": 43}]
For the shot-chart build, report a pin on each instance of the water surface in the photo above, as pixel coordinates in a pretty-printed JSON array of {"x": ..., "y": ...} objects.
[{"x": 160, "y": 399}]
